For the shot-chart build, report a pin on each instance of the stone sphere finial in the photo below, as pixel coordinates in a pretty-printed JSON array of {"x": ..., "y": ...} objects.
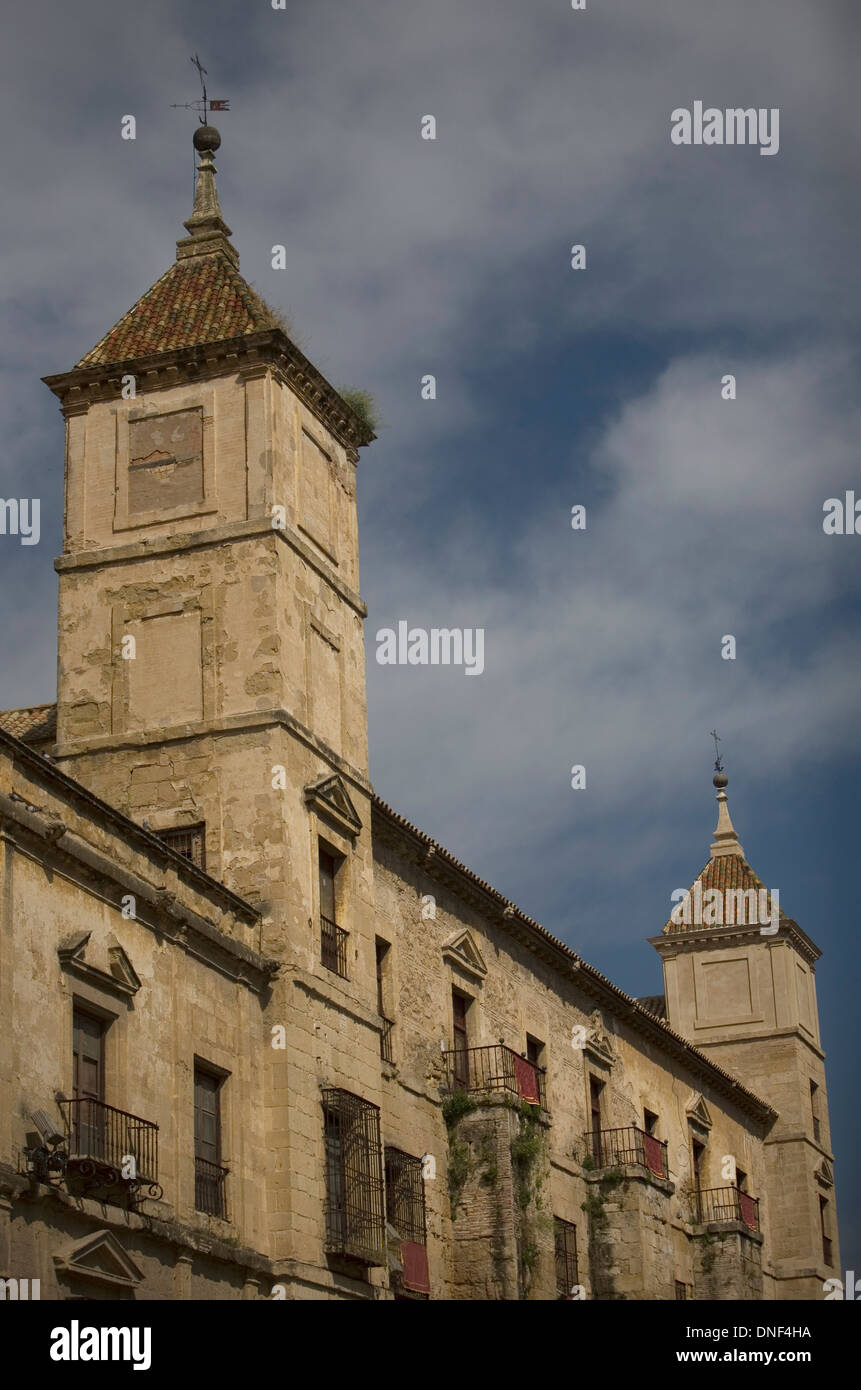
[
  {"x": 720, "y": 780},
  {"x": 206, "y": 137}
]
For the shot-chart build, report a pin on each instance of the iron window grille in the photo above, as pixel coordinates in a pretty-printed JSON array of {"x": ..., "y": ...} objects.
[
  {"x": 355, "y": 1191},
  {"x": 189, "y": 841},
  {"x": 210, "y": 1188},
  {"x": 681, "y": 1292},
  {"x": 565, "y": 1243},
  {"x": 386, "y": 1049},
  {"x": 333, "y": 947},
  {"x": 405, "y": 1196}
]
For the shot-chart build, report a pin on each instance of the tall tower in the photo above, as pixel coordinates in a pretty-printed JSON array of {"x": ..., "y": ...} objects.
[
  {"x": 739, "y": 977},
  {"x": 211, "y": 670}
]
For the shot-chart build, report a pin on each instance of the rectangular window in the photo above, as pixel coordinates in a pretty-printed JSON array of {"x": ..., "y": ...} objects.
[
  {"x": 534, "y": 1051},
  {"x": 209, "y": 1173},
  {"x": 740, "y": 1179},
  {"x": 698, "y": 1162},
  {"x": 383, "y": 991},
  {"x": 596, "y": 1088},
  {"x": 814, "y": 1111},
  {"x": 650, "y": 1122},
  {"x": 355, "y": 1211},
  {"x": 825, "y": 1226},
  {"x": 405, "y": 1212},
  {"x": 189, "y": 841},
  {"x": 333, "y": 939},
  {"x": 87, "y": 1114},
  {"x": 681, "y": 1291},
  {"x": 460, "y": 1036},
  {"x": 565, "y": 1244}
]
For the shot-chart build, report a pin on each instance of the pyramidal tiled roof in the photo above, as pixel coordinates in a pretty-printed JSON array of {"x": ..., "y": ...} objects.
[
  {"x": 202, "y": 299},
  {"x": 726, "y": 872}
]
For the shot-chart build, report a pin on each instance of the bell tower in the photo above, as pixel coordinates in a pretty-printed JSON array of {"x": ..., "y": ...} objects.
[
  {"x": 210, "y": 624},
  {"x": 739, "y": 977}
]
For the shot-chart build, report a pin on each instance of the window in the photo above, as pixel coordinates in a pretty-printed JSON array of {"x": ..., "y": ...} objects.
[
  {"x": 209, "y": 1174},
  {"x": 825, "y": 1226},
  {"x": 355, "y": 1215},
  {"x": 740, "y": 1179},
  {"x": 534, "y": 1051},
  {"x": 87, "y": 1113},
  {"x": 187, "y": 840},
  {"x": 650, "y": 1122},
  {"x": 596, "y": 1087},
  {"x": 383, "y": 949},
  {"x": 698, "y": 1160},
  {"x": 681, "y": 1291},
  {"x": 814, "y": 1111},
  {"x": 565, "y": 1245},
  {"x": 333, "y": 939},
  {"x": 405, "y": 1212},
  {"x": 460, "y": 1032}
]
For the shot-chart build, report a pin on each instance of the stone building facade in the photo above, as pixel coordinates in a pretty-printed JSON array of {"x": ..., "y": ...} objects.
[{"x": 261, "y": 1036}]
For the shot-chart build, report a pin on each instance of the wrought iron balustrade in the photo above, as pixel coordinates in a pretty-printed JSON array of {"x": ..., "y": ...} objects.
[
  {"x": 386, "y": 1051},
  {"x": 333, "y": 947},
  {"x": 725, "y": 1204},
  {"x": 615, "y": 1148},
  {"x": 117, "y": 1145},
  {"x": 496, "y": 1068},
  {"x": 210, "y": 1188}
]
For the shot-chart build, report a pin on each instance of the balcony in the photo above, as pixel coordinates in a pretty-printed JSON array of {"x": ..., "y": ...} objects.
[
  {"x": 724, "y": 1205},
  {"x": 210, "y": 1194},
  {"x": 333, "y": 947},
  {"x": 496, "y": 1068},
  {"x": 617, "y": 1148},
  {"x": 109, "y": 1147},
  {"x": 386, "y": 1051}
]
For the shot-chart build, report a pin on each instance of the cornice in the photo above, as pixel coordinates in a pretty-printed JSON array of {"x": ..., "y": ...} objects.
[{"x": 84, "y": 386}]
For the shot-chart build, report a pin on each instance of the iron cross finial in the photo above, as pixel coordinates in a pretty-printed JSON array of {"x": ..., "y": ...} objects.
[{"x": 718, "y": 760}]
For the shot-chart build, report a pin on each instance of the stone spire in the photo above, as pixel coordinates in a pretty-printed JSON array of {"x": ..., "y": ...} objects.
[
  {"x": 208, "y": 231},
  {"x": 726, "y": 840}
]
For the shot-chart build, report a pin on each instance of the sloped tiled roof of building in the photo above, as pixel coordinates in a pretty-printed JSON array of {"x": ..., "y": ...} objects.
[
  {"x": 31, "y": 725},
  {"x": 200, "y": 300},
  {"x": 653, "y": 1004}
]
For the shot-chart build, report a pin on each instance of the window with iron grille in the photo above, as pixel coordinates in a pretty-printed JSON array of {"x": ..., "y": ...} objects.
[
  {"x": 565, "y": 1242},
  {"x": 355, "y": 1211},
  {"x": 187, "y": 840},
  {"x": 209, "y": 1173},
  {"x": 681, "y": 1292},
  {"x": 405, "y": 1196}
]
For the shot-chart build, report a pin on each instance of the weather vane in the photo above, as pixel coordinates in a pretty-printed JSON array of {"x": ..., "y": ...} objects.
[
  {"x": 204, "y": 105},
  {"x": 718, "y": 759}
]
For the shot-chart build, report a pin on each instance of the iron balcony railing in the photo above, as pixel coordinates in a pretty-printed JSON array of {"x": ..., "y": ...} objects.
[
  {"x": 724, "y": 1204},
  {"x": 333, "y": 947},
  {"x": 614, "y": 1148},
  {"x": 386, "y": 1051},
  {"x": 210, "y": 1188},
  {"x": 108, "y": 1138},
  {"x": 496, "y": 1068}
]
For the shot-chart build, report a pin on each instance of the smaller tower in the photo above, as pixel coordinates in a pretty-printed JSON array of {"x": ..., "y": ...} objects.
[{"x": 739, "y": 977}]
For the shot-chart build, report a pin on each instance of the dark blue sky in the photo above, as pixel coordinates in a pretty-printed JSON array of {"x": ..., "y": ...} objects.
[{"x": 555, "y": 387}]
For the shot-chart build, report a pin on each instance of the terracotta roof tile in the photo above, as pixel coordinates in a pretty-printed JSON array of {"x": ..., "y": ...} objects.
[
  {"x": 726, "y": 872},
  {"x": 200, "y": 300},
  {"x": 32, "y": 725}
]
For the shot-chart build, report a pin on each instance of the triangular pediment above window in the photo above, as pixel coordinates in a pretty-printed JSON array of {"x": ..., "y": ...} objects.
[
  {"x": 697, "y": 1111},
  {"x": 461, "y": 950},
  {"x": 121, "y": 967},
  {"x": 825, "y": 1174},
  {"x": 121, "y": 977},
  {"x": 100, "y": 1257},
  {"x": 329, "y": 797}
]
